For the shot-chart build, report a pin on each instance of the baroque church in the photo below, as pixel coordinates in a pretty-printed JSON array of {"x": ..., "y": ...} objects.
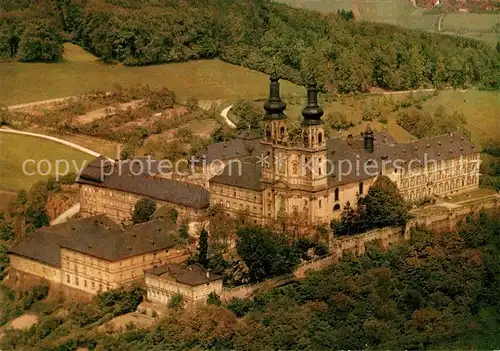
[{"x": 288, "y": 173}]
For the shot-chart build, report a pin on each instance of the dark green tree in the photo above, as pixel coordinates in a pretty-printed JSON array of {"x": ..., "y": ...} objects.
[
  {"x": 41, "y": 42},
  {"x": 248, "y": 117},
  {"x": 383, "y": 205},
  {"x": 143, "y": 210},
  {"x": 203, "y": 248},
  {"x": 346, "y": 15},
  {"x": 265, "y": 253}
]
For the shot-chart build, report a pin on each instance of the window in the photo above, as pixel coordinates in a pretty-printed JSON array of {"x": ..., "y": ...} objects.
[
  {"x": 85, "y": 283},
  {"x": 320, "y": 138},
  {"x": 361, "y": 188},
  {"x": 282, "y": 132},
  {"x": 93, "y": 285},
  {"x": 336, "y": 207},
  {"x": 68, "y": 279},
  {"x": 77, "y": 283},
  {"x": 336, "y": 195},
  {"x": 319, "y": 203}
]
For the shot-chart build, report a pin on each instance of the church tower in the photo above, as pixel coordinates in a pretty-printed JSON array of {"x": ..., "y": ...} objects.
[{"x": 293, "y": 172}]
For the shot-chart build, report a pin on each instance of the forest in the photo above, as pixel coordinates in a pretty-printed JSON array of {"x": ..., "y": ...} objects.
[
  {"x": 437, "y": 291},
  {"x": 344, "y": 55}
]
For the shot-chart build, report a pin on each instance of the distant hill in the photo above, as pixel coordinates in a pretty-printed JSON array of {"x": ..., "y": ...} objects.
[{"x": 346, "y": 56}]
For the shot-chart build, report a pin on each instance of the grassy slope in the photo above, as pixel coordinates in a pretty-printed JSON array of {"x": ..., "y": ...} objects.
[
  {"x": 15, "y": 149},
  {"x": 80, "y": 73},
  {"x": 402, "y": 13},
  {"x": 481, "y": 109}
]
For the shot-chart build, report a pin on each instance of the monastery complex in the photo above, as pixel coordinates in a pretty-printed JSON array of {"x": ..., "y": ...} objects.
[{"x": 297, "y": 174}]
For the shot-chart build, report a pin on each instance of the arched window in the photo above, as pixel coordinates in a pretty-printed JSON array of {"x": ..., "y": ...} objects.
[
  {"x": 361, "y": 188},
  {"x": 282, "y": 132},
  {"x": 320, "y": 138},
  {"x": 268, "y": 133},
  {"x": 336, "y": 207},
  {"x": 336, "y": 195}
]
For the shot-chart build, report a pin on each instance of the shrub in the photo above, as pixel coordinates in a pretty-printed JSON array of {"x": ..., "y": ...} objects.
[
  {"x": 177, "y": 301},
  {"x": 240, "y": 307},
  {"x": 144, "y": 210},
  {"x": 213, "y": 299},
  {"x": 266, "y": 254}
]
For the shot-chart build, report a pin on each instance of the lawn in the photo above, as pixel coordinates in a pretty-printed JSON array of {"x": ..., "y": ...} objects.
[
  {"x": 15, "y": 149},
  {"x": 203, "y": 79},
  {"x": 105, "y": 147},
  {"x": 481, "y": 109},
  {"x": 470, "y": 22}
]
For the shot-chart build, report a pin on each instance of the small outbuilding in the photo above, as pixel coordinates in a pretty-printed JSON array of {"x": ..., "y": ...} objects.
[{"x": 193, "y": 282}]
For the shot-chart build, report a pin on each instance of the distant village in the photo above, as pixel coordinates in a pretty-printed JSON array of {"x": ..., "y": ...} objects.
[{"x": 461, "y": 5}]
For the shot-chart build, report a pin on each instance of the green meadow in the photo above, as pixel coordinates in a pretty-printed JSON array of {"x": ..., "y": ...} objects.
[
  {"x": 15, "y": 149},
  {"x": 80, "y": 73}
]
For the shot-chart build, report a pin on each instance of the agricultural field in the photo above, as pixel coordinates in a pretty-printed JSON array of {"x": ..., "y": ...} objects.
[
  {"x": 321, "y": 5},
  {"x": 470, "y": 22},
  {"x": 403, "y": 13},
  {"x": 15, "y": 149},
  {"x": 80, "y": 73}
]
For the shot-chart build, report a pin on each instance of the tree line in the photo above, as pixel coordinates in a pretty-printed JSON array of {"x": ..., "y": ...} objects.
[
  {"x": 437, "y": 291},
  {"x": 345, "y": 55}
]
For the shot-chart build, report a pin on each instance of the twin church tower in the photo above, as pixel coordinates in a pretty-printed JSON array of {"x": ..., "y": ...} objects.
[{"x": 293, "y": 173}]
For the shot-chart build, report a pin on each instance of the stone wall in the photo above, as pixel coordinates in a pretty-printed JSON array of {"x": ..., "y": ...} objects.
[
  {"x": 247, "y": 290},
  {"x": 35, "y": 268},
  {"x": 447, "y": 219}
]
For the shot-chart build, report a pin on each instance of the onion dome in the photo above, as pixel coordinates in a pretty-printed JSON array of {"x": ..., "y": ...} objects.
[
  {"x": 274, "y": 106},
  {"x": 312, "y": 113}
]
